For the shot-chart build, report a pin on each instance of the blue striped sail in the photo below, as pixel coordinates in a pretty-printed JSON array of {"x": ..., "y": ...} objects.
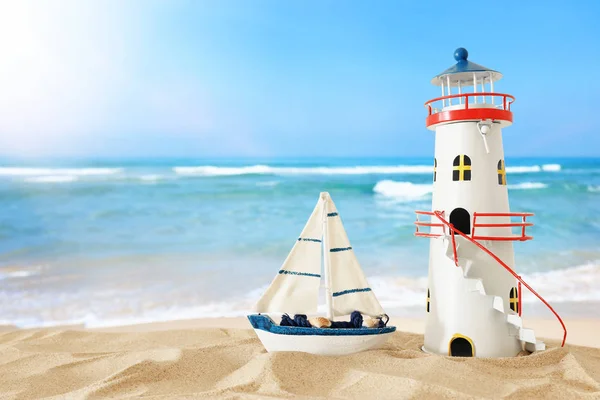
[
  {"x": 350, "y": 289},
  {"x": 295, "y": 288}
]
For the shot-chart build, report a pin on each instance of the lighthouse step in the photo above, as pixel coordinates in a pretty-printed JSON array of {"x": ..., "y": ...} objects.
[
  {"x": 466, "y": 252},
  {"x": 527, "y": 335},
  {"x": 475, "y": 285},
  {"x": 464, "y": 262},
  {"x": 537, "y": 346},
  {"x": 498, "y": 304},
  {"x": 449, "y": 246},
  {"x": 466, "y": 266},
  {"x": 514, "y": 320}
]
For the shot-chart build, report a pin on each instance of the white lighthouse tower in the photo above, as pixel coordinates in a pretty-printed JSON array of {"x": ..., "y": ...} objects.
[{"x": 474, "y": 293}]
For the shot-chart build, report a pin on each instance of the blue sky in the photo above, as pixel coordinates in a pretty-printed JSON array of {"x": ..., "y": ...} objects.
[{"x": 276, "y": 79}]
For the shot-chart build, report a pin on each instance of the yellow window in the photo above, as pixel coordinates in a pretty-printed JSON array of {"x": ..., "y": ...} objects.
[
  {"x": 428, "y": 299},
  {"x": 461, "y": 170},
  {"x": 514, "y": 299},
  {"x": 501, "y": 173}
]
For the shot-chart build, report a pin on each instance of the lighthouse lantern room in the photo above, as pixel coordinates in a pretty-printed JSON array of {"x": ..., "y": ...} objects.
[{"x": 474, "y": 303}]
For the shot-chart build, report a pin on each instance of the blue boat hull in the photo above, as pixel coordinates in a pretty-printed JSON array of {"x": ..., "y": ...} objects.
[
  {"x": 321, "y": 341},
  {"x": 265, "y": 323}
]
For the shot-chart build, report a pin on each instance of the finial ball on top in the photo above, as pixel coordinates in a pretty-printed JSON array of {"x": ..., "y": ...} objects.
[{"x": 461, "y": 54}]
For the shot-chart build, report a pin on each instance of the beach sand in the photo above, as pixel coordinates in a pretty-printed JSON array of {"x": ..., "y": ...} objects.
[{"x": 222, "y": 358}]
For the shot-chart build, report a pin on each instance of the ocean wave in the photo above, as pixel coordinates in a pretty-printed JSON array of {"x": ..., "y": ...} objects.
[
  {"x": 52, "y": 179},
  {"x": 528, "y": 185},
  {"x": 395, "y": 293},
  {"x": 223, "y": 171},
  {"x": 551, "y": 167},
  {"x": 16, "y": 171},
  {"x": 575, "y": 284},
  {"x": 402, "y": 191},
  {"x": 151, "y": 178},
  {"x": 266, "y": 170},
  {"x": 534, "y": 168},
  {"x": 96, "y": 177},
  {"x": 208, "y": 170},
  {"x": 587, "y": 171},
  {"x": 237, "y": 307},
  {"x": 13, "y": 272},
  {"x": 593, "y": 189},
  {"x": 267, "y": 184}
]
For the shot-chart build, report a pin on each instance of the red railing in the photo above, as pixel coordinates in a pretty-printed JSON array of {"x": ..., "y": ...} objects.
[
  {"x": 507, "y": 100},
  {"x": 431, "y": 235},
  {"x": 523, "y": 224},
  {"x": 520, "y": 237},
  {"x": 440, "y": 215},
  {"x": 429, "y": 224}
]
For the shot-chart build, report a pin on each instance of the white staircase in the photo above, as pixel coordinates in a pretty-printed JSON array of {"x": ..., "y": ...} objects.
[{"x": 515, "y": 322}]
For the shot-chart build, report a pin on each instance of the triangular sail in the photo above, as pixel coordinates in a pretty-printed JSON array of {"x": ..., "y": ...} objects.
[
  {"x": 295, "y": 289},
  {"x": 350, "y": 289}
]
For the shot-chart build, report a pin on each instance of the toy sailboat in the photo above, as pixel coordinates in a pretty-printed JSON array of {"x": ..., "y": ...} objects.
[{"x": 295, "y": 290}]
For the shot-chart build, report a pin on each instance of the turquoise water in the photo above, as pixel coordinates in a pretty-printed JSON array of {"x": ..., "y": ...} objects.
[{"x": 107, "y": 242}]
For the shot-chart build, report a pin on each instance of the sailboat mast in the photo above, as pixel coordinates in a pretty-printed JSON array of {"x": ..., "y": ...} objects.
[{"x": 326, "y": 270}]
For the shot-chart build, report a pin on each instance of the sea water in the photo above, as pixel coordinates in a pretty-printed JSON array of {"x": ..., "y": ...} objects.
[{"x": 121, "y": 241}]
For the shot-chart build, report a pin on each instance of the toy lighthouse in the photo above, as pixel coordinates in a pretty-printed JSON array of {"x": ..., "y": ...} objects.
[{"x": 474, "y": 294}]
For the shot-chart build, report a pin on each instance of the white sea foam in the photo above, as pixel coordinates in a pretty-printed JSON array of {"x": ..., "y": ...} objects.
[
  {"x": 223, "y": 171},
  {"x": 267, "y": 184},
  {"x": 16, "y": 274},
  {"x": 576, "y": 284},
  {"x": 395, "y": 293},
  {"x": 209, "y": 170},
  {"x": 266, "y": 170},
  {"x": 523, "y": 169},
  {"x": 9, "y": 273},
  {"x": 592, "y": 188},
  {"x": 52, "y": 179},
  {"x": 151, "y": 178},
  {"x": 528, "y": 185},
  {"x": 402, "y": 191},
  {"x": 534, "y": 168},
  {"x": 236, "y": 307},
  {"x": 551, "y": 167},
  {"x": 16, "y": 171}
]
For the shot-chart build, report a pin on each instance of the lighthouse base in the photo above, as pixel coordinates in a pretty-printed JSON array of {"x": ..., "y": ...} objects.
[
  {"x": 529, "y": 347},
  {"x": 473, "y": 343}
]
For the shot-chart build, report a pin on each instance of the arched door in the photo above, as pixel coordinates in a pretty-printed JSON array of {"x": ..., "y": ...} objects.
[
  {"x": 461, "y": 219},
  {"x": 461, "y": 346}
]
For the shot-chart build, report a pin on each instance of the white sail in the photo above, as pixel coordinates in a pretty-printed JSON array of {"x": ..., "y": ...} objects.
[
  {"x": 350, "y": 289},
  {"x": 295, "y": 289}
]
